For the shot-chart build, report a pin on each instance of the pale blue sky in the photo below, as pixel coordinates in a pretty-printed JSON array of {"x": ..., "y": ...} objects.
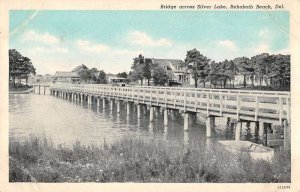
[{"x": 108, "y": 40}]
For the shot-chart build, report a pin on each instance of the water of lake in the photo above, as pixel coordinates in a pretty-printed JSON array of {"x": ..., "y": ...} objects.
[{"x": 66, "y": 122}]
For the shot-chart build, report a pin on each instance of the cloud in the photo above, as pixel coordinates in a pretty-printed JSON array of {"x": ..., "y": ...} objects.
[
  {"x": 262, "y": 48},
  {"x": 34, "y": 36},
  {"x": 92, "y": 47},
  {"x": 47, "y": 50},
  {"x": 143, "y": 39},
  {"x": 227, "y": 44},
  {"x": 263, "y": 32}
]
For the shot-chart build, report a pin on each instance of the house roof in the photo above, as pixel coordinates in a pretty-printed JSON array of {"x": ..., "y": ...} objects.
[
  {"x": 66, "y": 74},
  {"x": 78, "y": 67},
  {"x": 174, "y": 64}
]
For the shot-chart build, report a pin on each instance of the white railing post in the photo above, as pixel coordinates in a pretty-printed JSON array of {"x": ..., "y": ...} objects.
[
  {"x": 207, "y": 104},
  {"x": 280, "y": 109},
  {"x": 256, "y": 108},
  {"x": 221, "y": 104},
  {"x": 237, "y": 107}
]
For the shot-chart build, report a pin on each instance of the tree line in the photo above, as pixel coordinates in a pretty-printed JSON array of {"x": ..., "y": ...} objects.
[
  {"x": 274, "y": 70},
  {"x": 20, "y": 67},
  {"x": 97, "y": 76}
]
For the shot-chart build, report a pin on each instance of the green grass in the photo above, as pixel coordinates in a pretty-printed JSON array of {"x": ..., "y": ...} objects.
[{"x": 138, "y": 160}]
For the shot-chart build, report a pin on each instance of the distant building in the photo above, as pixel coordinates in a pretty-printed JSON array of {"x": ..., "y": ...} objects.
[{"x": 69, "y": 77}]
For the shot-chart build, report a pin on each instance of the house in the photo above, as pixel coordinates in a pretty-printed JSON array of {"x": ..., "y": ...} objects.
[
  {"x": 174, "y": 70},
  {"x": 69, "y": 76}
]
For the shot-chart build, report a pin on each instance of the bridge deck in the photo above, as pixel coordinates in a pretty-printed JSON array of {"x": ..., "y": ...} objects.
[{"x": 265, "y": 106}]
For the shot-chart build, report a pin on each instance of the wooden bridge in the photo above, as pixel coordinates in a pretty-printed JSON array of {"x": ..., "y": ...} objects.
[{"x": 263, "y": 107}]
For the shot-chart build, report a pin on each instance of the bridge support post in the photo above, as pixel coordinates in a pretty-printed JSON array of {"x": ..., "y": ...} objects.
[
  {"x": 238, "y": 129},
  {"x": 98, "y": 102},
  {"x": 39, "y": 89},
  {"x": 151, "y": 113},
  {"x": 111, "y": 104},
  {"x": 165, "y": 116},
  {"x": 128, "y": 108},
  {"x": 138, "y": 111},
  {"x": 210, "y": 126},
  {"x": 88, "y": 100},
  {"x": 103, "y": 102},
  {"x": 287, "y": 134},
  {"x": 261, "y": 130},
  {"x": 44, "y": 89},
  {"x": 33, "y": 88},
  {"x": 186, "y": 121}
]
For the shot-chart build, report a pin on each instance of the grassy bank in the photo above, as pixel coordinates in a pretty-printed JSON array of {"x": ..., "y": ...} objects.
[{"x": 138, "y": 160}]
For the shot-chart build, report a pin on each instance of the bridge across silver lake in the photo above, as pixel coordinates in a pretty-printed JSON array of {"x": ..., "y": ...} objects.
[{"x": 263, "y": 107}]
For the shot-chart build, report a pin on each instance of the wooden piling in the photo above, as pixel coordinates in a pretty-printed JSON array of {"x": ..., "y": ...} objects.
[
  {"x": 165, "y": 116},
  {"x": 210, "y": 126},
  {"x": 186, "y": 121}
]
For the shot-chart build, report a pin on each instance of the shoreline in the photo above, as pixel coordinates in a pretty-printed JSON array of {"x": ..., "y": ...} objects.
[{"x": 134, "y": 159}]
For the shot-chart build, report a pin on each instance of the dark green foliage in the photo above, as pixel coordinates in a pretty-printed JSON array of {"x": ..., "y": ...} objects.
[
  {"x": 160, "y": 76},
  {"x": 198, "y": 65},
  {"x": 19, "y": 66}
]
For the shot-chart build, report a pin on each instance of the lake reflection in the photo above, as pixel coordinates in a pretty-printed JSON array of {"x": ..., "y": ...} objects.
[{"x": 66, "y": 122}]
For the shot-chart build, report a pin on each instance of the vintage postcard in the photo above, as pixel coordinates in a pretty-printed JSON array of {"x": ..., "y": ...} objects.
[{"x": 149, "y": 95}]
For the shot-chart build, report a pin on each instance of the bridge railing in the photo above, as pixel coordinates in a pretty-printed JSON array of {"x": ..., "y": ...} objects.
[{"x": 266, "y": 104}]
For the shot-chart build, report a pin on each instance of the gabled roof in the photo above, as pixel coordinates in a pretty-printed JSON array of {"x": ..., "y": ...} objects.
[
  {"x": 172, "y": 63},
  {"x": 66, "y": 74},
  {"x": 79, "y": 67}
]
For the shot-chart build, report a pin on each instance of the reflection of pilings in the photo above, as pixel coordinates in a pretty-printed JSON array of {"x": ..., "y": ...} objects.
[
  {"x": 128, "y": 108},
  {"x": 238, "y": 129},
  {"x": 98, "y": 102},
  {"x": 151, "y": 113},
  {"x": 165, "y": 117},
  {"x": 144, "y": 109},
  {"x": 165, "y": 134},
  {"x": 210, "y": 125},
  {"x": 186, "y": 138},
  {"x": 118, "y": 106},
  {"x": 103, "y": 102},
  {"x": 151, "y": 127},
  {"x": 208, "y": 144},
  {"x": 186, "y": 121},
  {"x": 111, "y": 104}
]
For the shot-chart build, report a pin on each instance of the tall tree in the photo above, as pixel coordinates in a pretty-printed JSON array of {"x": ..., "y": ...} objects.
[
  {"x": 198, "y": 65},
  {"x": 94, "y": 74},
  {"x": 85, "y": 75},
  {"x": 147, "y": 70},
  {"x": 122, "y": 75},
  {"x": 160, "y": 76},
  {"x": 279, "y": 70},
  {"x": 19, "y": 66},
  {"x": 244, "y": 67},
  {"x": 260, "y": 65},
  {"x": 102, "y": 77},
  {"x": 138, "y": 69}
]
